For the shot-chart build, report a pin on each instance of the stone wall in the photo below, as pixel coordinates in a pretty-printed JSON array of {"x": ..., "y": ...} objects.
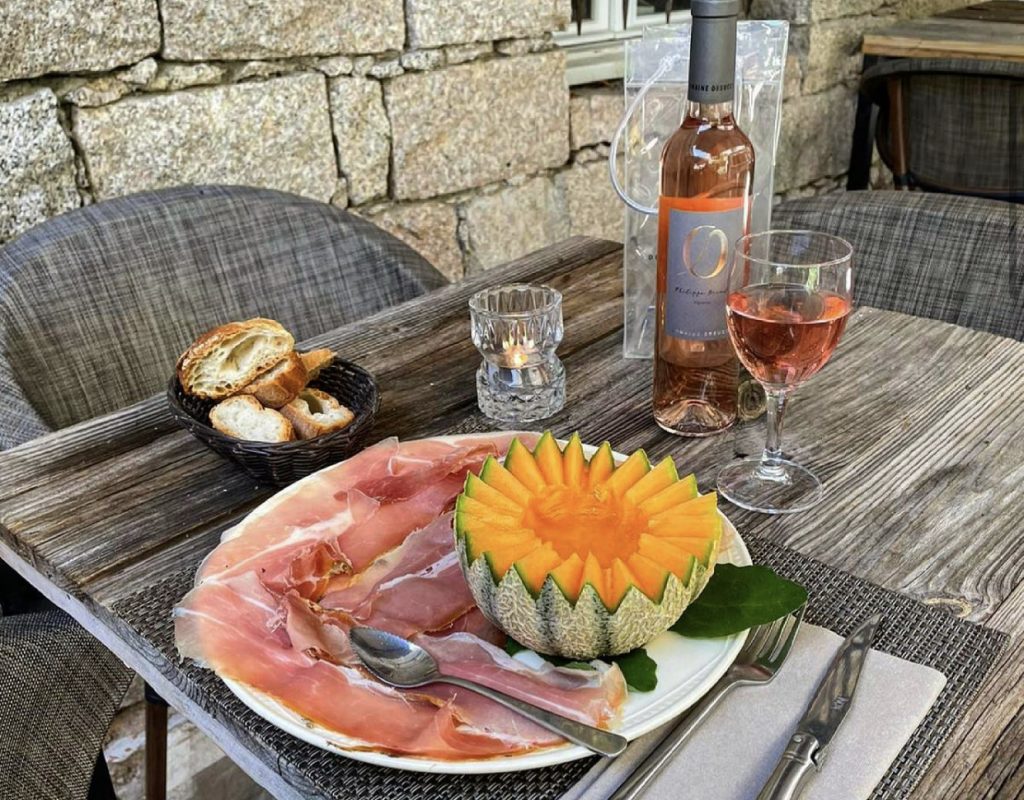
[{"x": 446, "y": 122}]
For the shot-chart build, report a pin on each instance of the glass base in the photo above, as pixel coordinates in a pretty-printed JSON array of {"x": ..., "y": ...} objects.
[
  {"x": 515, "y": 396},
  {"x": 779, "y": 488}
]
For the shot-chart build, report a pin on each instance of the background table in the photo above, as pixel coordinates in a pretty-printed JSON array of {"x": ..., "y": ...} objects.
[
  {"x": 991, "y": 31},
  {"x": 914, "y": 426}
]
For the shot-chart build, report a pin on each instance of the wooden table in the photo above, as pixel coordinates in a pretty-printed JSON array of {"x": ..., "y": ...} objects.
[
  {"x": 915, "y": 427},
  {"x": 990, "y": 31}
]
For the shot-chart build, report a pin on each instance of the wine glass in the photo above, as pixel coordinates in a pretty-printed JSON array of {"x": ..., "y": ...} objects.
[{"x": 790, "y": 294}]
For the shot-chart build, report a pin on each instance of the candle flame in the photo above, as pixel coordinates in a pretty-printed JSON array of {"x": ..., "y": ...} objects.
[{"x": 518, "y": 354}]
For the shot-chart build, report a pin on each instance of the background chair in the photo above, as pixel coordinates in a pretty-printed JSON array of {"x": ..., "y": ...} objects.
[
  {"x": 951, "y": 126},
  {"x": 95, "y": 307},
  {"x": 958, "y": 259}
]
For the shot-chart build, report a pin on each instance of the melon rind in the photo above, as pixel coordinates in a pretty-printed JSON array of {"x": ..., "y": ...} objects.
[{"x": 553, "y": 625}]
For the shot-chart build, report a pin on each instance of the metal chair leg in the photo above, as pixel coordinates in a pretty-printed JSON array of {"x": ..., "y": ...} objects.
[{"x": 156, "y": 745}]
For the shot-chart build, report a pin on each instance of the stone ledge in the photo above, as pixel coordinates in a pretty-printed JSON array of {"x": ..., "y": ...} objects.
[
  {"x": 437, "y": 22},
  {"x": 274, "y": 134}
]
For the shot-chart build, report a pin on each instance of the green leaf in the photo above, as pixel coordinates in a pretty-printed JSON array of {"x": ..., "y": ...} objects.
[
  {"x": 737, "y": 598},
  {"x": 639, "y": 670},
  {"x": 512, "y": 646}
]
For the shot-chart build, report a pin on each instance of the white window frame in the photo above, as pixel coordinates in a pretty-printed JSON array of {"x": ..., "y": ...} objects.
[{"x": 595, "y": 53}]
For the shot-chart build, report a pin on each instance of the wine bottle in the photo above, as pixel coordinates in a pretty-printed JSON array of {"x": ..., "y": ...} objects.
[{"x": 707, "y": 172}]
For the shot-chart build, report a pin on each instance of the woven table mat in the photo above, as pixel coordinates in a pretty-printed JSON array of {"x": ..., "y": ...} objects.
[{"x": 963, "y": 651}]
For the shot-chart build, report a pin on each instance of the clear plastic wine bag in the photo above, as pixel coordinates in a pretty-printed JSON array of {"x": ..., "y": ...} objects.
[{"x": 655, "y": 85}]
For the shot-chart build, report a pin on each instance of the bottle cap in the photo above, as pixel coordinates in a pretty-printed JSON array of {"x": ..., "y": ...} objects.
[{"x": 715, "y": 8}]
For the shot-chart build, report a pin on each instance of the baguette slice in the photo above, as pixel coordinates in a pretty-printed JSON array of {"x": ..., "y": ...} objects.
[
  {"x": 314, "y": 413},
  {"x": 244, "y": 418},
  {"x": 316, "y": 360},
  {"x": 221, "y": 361},
  {"x": 281, "y": 383}
]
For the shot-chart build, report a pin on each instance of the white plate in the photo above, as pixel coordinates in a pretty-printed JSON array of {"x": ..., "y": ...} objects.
[{"x": 687, "y": 669}]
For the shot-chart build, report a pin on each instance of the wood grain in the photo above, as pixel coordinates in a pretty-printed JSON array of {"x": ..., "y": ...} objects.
[
  {"x": 914, "y": 426},
  {"x": 982, "y": 38}
]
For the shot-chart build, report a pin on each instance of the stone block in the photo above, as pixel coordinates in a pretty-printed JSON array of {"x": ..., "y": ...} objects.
[
  {"x": 520, "y": 47},
  {"x": 38, "y": 37},
  {"x": 274, "y": 134},
  {"x": 362, "y": 136},
  {"x": 833, "y": 51},
  {"x": 477, "y": 123},
  {"x": 436, "y": 22},
  {"x": 195, "y": 30},
  {"x": 429, "y": 228},
  {"x": 593, "y": 206},
  {"x": 461, "y": 53},
  {"x": 815, "y": 140},
  {"x": 512, "y": 222},
  {"x": 802, "y": 12},
  {"x": 172, "y": 76},
  {"x": 37, "y": 164},
  {"x": 423, "y": 59},
  {"x": 594, "y": 114}
]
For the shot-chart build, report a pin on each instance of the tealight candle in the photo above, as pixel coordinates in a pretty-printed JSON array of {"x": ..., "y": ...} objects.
[{"x": 517, "y": 329}]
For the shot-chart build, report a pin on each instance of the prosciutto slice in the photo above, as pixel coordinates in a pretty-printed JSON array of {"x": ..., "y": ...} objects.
[{"x": 369, "y": 542}]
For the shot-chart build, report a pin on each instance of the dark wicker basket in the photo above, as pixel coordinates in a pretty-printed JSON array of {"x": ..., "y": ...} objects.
[{"x": 286, "y": 462}]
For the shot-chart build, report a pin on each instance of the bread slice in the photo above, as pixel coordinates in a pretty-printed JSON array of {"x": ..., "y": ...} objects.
[
  {"x": 244, "y": 418},
  {"x": 314, "y": 413},
  {"x": 220, "y": 362},
  {"x": 316, "y": 360},
  {"x": 281, "y": 383}
]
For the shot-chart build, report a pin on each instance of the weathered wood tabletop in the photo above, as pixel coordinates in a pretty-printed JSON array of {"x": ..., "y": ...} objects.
[
  {"x": 915, "y": 427},
  {"x": 991, "y": 31}
]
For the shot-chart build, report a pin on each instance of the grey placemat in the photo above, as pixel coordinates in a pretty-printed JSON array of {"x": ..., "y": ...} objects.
[{"x": 963, "y": 651}]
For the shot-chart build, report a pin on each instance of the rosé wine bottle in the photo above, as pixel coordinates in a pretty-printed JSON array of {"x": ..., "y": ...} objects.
[{"x": 707, "y": 172}]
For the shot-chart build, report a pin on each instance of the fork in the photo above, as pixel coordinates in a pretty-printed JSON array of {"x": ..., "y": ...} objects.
[{"x": 761, "y": 657}]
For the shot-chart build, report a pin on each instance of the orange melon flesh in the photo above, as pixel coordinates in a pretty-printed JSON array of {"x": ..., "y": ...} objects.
[
  {"x": 679, "y": 492},
  {"x": 534, "y": 567},
  {"x": 499, "y": 540},
  {"x": 521, "y": 463},
  {"x": 501, "y": 560},
  {"x": 602, "y": 465},
  {"x": 574, "y": 463},
  {"x": 618, "y": 580},
  {"x": 496, "y": 476},
  {"x": 551, "y": 512},
  {"x": 661, "y": 477},
  {"x": 478, "y": 490},
  {"x": 650, "y": 577},
  {"x": 549, "y": 459},
  {"x": 701, "y": 549},
  {"x": 678, "y": 561},
  {"x": 569, "y": 576},
  {"x": 707, "y": 526},
  {"x": 628, "y": 473}
]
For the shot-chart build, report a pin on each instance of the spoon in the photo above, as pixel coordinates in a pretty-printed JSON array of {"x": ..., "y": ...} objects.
[{"x": 399, "y": 662}]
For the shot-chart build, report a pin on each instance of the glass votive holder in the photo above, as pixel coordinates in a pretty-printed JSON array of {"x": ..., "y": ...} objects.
[{"x": 517, "y": 329}]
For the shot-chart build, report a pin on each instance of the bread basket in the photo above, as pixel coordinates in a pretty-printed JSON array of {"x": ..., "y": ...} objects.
[{"x": 285, "y": 462}]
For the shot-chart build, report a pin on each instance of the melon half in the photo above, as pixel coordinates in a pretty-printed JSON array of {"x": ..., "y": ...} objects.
[{"x": 582, "y": 558}]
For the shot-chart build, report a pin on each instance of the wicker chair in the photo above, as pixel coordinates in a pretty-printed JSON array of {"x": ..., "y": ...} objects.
[
  {"x": 950, "y": 125},
  {"x": 95, "y": 305},
  {"x": 958, "y": 259}
]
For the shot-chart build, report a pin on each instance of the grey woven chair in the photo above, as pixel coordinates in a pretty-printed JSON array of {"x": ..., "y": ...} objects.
[
  {"x": 95, "y": 305},
  {"x": 947, "y": 257},
  {"x": 949, "y": 125}
]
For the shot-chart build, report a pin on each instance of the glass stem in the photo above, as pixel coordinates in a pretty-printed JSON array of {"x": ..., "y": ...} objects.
[{"x": 771, "y": 467}]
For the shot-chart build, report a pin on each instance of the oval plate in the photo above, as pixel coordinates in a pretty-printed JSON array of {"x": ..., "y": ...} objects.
[{"x": 687, "y": 669}]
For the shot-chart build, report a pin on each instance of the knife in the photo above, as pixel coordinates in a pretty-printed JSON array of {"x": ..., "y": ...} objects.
[{"x": 808, "y": 746}]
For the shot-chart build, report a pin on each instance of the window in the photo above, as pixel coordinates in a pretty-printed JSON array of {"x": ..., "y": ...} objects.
[{"x": 593, "y": 38}]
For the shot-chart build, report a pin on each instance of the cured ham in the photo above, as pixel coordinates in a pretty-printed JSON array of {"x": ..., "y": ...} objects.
[{"x": 369, "y": 542}]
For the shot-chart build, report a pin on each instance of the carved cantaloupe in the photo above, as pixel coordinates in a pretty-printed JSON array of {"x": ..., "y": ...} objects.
[{"x": 584, "y": 558}]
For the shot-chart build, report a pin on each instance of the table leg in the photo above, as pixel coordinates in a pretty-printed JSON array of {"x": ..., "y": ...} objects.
[
  {"x": 156, "y": 745},
  {"x": 859, "y": 175}
]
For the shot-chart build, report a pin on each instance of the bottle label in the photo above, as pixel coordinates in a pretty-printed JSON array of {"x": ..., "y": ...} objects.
[{"x": 697, "y": 236}]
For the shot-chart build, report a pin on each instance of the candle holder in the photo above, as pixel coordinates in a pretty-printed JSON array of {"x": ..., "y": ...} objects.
[{"x": 517, "y": 329}]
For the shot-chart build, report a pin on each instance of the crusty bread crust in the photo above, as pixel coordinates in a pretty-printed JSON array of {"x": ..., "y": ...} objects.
[
  {"x": 243, "y": 417},
  {"x": 314, "y": 413},
  {"x": 280, "y": 384},
  {"x": 316, "y": 360},
  {"x": 223, "y": 360}
]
